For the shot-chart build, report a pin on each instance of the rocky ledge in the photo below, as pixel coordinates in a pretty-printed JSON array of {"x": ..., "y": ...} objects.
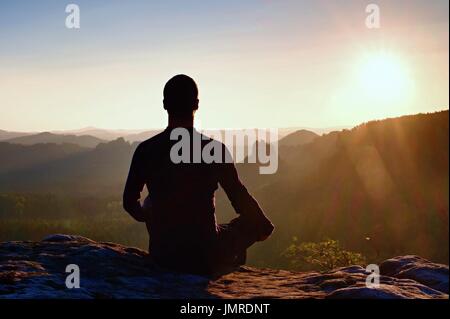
[{"x": 108, "y": 270}]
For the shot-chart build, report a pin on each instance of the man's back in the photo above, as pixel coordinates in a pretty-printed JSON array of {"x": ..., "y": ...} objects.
[{"x": 181, "y": 221}]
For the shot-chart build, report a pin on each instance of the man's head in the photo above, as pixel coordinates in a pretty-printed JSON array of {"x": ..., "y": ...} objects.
[{"x": 181, "y": 96}]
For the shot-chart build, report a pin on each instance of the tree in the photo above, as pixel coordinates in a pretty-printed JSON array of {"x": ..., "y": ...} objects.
[{"x": 325, "y": 255}]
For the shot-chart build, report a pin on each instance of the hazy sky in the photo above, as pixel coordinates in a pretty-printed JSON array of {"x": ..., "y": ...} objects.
[{"x": 257, "y": 63}]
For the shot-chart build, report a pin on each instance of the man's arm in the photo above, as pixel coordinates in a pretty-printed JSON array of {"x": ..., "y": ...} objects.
[
  {"x": 243, "y": 203},
  {"x": 133, "y": 187}
]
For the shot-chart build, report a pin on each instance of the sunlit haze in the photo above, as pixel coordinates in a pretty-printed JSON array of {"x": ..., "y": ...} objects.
[{"x": 257, "y": 63}]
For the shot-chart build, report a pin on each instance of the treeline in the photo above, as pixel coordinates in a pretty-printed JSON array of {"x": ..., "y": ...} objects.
[
  {"x": 52, "y": 206},
  {"x": 34, "y": 216}
]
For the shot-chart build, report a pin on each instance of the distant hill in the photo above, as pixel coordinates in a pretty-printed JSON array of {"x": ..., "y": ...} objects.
[
  {"x": 6, "y": 135},
  {"x": 57, "y": 168},
  {"x": 137, "y": 135},
  {"x": 141, "y": 136},
  {"x": 297, "y": 138},
  {"x": 104, "y": 134},
  {"x": 16, "y": 158},
  {"x": 47, "y": 137}
]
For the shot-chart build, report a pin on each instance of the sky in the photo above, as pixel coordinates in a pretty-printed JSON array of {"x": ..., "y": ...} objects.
[{"x": 258, "y": 63}]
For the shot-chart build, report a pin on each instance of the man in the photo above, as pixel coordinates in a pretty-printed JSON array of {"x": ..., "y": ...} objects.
[{"x": 179, "y": 211}]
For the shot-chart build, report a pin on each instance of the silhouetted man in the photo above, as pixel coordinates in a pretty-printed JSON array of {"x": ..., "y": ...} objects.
[{"x": 179, "y": 211}]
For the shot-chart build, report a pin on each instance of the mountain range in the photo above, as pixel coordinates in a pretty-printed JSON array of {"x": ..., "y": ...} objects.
[
  {"x": 92, "y": 136},
  {"x": 381, "y": 188}
]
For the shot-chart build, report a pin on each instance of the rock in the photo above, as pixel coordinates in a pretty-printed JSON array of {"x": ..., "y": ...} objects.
[
  {"x": 108, "y": 270},
  {"x": 418, "y": 269},
  {"x": 63, "y": 237}
]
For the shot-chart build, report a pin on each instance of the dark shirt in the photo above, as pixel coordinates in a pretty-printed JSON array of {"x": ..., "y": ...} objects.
[{"x": 181, "y": 222}]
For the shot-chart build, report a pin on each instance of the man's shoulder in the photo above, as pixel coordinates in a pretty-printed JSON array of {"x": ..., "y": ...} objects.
[
  {"x": 171, "y": 135},
  {"x": 155, "y": 139},
  {"x": 151, "y": 142}
]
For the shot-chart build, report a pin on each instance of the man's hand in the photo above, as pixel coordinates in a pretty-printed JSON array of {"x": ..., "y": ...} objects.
[
  {"x": 143, "y": 214},
  {"x": 147, "y": 208}
]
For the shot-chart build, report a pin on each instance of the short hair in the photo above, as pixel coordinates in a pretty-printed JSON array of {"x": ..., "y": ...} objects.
[{"x": 180, "y": 95}]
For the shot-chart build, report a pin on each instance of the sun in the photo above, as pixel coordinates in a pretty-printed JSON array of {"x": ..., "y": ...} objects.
[{"x": 383, "y": 76}]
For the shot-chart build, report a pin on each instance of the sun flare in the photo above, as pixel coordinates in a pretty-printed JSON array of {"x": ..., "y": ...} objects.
[{"x": 384, "y": 76}]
